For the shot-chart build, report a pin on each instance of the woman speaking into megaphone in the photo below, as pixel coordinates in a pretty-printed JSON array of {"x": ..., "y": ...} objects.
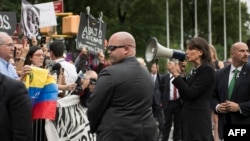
[{"x": 196, "y": 91}]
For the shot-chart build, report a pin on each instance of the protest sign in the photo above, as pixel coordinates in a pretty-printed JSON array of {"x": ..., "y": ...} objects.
[
  {"x": 8, "y": 22},
  {"x": 91, "y": 34},
  {"x": 29, "y": 19},
  {"x": 46, "y": 9}
]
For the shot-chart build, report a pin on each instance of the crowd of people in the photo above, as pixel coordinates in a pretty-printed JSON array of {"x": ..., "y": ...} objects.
[
  {"x": 196, "y": 103},
  {"x": 44, "y": 97}
]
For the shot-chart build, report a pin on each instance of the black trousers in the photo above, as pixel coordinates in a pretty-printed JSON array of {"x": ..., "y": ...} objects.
[
  {"x": 158, "y": 114},
  {"x": 172, "y": 116}
]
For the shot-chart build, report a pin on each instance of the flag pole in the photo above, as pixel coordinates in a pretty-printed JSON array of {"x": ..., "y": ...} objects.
[
  {"x": 240, "y": 38},
  {"x": 225, "y": 30},
  {"x": 182, "y": 38}
]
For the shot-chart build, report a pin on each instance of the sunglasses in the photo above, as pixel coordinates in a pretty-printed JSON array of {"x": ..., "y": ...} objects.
[
  {"x": 112, "y": 48},
  {"x": 92, "y": 81}
]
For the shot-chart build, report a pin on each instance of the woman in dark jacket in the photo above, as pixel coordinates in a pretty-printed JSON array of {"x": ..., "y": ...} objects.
[{"x": 196, "y": 92}]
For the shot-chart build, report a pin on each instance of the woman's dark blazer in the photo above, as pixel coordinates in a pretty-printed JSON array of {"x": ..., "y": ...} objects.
[{"x": 196, "y": 111}]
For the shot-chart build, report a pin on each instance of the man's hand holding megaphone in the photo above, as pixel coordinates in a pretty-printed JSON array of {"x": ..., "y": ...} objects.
[{"x": 177, "y": 68}]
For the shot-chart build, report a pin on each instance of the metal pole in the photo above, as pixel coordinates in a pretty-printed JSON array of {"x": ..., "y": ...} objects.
[
  {"x": 195, "y": 14},
  {"x": 209, "y": 23},
  {"x": 240, "y": 21},
  {"x": 167, "y": 24},
  {"x": 225, "y": 30},
  {"x": 182, "y": 35}
]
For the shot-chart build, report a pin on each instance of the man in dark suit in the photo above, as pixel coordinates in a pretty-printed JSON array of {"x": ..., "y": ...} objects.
[
  {"x": 15, "y": 109},
  {"x": 120, "y": 107},
  {"x": 233, "y": 108},
  {"x": 157, "y": 104},
  {"x": 171, "y": 103}
]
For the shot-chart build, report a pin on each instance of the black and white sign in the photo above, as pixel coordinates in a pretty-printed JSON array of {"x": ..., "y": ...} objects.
[
  {"x": 71, "y": 123},
  {"x": 91, "y": 34},
  {"x": 8, "y": 22},
  {"x": 30, "y": 19}
]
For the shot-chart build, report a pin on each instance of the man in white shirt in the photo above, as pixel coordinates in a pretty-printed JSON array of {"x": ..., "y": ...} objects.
[
  {"x": 56, "y": 50},
  {"x": 171, "y": 103}
]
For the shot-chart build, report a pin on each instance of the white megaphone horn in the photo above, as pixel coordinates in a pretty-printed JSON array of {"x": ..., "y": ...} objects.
[{"x": 154, "y": 50}]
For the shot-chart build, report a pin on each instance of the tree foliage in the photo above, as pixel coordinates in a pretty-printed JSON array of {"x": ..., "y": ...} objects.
[{"x": 145, "y": 19}]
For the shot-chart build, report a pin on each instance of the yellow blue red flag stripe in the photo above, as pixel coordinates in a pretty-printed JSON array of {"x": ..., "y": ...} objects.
[{"x": 43, "y": 92}]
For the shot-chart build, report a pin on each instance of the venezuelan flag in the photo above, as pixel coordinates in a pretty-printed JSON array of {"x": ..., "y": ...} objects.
[{"x": 43, "y": 92}]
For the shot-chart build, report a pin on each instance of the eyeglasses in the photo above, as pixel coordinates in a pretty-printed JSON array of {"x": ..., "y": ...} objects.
[
  {"x": 112, "y": 48},
  {"x": 10, "y": 45}
]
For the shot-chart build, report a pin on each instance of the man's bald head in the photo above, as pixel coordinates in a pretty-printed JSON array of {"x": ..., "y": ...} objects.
[
  {"x": 121, "y": 45},
  {"x": 91, "y": 74},
  {"x": 239, "y": 53},
  {"x": 237, "y": 45},
  {"x": 124, "y": 38},
  {"x": 3, "y": 37},
  {"x": 6, "y": 46}
]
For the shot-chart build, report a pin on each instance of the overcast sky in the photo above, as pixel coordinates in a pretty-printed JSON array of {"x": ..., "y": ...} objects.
[{"x": 248, "y": 4}]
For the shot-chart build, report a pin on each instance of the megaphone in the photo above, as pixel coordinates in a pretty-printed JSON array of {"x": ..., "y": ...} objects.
[{"x": 154, "y": 50}]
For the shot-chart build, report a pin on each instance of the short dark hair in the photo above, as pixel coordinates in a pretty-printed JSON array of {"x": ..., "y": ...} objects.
[{"x": 57, "y": 47}]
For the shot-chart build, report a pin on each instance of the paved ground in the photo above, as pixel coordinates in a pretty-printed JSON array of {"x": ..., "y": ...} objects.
[{"x": 170, "y": 134}]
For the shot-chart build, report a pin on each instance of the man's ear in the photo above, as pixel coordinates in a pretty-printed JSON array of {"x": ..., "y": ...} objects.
[{"x": 126, "y": 50}]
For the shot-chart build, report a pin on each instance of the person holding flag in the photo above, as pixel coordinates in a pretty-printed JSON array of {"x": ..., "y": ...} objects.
[{"x": 42, "y": 89}]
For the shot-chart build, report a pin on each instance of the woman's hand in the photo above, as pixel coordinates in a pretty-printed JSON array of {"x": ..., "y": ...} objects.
[
  {"x": 70, "y": 87},
  {"x": 26, "y": 70}
]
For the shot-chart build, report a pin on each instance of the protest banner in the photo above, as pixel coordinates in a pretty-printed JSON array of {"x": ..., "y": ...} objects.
[
  {"x": 71, "y": 123},
  {"x": 46, "y": 9},
  {"x": 8, "y": 22},
  {"x": 36, "y": 16},
  {"x": 29, "y": 19}
]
